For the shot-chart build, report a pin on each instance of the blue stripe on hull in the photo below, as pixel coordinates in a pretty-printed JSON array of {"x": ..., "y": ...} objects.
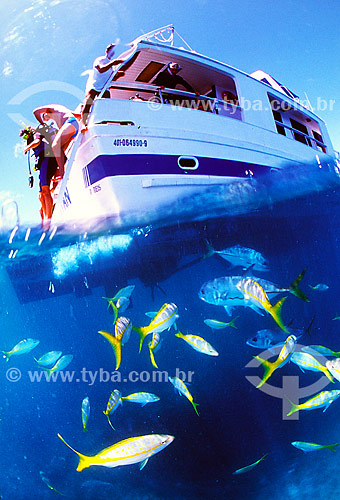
[{"x": 111, "y": 165}]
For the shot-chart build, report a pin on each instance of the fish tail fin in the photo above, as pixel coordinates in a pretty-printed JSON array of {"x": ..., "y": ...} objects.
[
  {"x": 275, "y": 311},
  {"x": 210, "y": 250},
  {"x": 293, "y": 409},
  {"x": 332, "y": 446},
  {"x": 48, "y": 370},
  {"x": 232, "y": 322},
  {"x": 142, "y": 331},
  {"x": 6, "y": 355},
  {"x": 109, "y": 421},
  {"x": 179, "y": 334},
  {"x": 116, "y": 346},
  {"x": 295, "y": 290},
  {"x": 152, "y": 358},
  {"x": 115, "y": 312},
  {"x": 110, "y": 303},
  {"x": 195, "y": 407},
  {"x": 269, "y": 368},
  {"x": 328, "y": 374},
  {"x": 84, "y": 460}
]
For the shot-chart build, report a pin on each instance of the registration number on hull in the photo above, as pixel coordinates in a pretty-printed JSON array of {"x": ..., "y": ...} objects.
[{"x": 141, "y": 143}]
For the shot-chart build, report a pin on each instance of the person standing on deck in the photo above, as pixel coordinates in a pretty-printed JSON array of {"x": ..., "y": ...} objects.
[{"x": 100, "y": 74}]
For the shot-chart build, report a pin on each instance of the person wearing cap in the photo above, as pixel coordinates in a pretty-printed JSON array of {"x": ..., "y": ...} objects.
[
  {"x": 170, "y": 78},
  {"x": 99, "y": 75},
  {"x": 68, "y": 126}
]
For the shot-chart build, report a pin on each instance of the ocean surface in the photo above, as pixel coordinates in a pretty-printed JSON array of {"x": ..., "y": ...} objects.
[{"x": 52, "y": 289}]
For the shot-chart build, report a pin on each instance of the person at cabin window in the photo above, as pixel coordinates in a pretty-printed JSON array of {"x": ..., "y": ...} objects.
[
  {"x": 40, "y": 141},
  {"x": 170, "y": 78},
  {"x": 68, "y": 126},
  {"x": 101, "y": 72}
]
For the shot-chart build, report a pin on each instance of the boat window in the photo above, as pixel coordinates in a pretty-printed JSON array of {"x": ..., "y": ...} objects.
[
  {"x": 319, "y": 140},
  {"x": 278, "y": 118},
  {"x": 149, "y": 71},
  {"x": 296, "y": 124},
  {"x": 217, "y": 89}
]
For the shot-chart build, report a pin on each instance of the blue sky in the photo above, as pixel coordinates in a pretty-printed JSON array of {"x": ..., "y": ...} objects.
[{"x": 45, "y": 45}]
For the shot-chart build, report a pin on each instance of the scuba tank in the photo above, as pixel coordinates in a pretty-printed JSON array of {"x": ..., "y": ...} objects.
[
  {"x": 47, "y": 134},
  {"x": 47, "y": 131}
]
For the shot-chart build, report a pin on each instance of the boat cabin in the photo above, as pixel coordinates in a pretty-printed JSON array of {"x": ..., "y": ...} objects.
[{"x": 257, "y": 98}]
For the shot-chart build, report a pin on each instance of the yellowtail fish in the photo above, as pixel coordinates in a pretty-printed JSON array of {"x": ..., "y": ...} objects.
[
  {"x": 306, "y": 361},
  {"x": 127, "y": 452},
  {"x": 283, "y": 358},
  {"x": 334, "y": 367},
  {"x": 154, "y": 345},
  {"x": 119, "y": 307},
  {"x": 319, "y": 350},
  {"x": 124, "y": 292},
  {"x": 85, "y": 412},
  {"x": 306, "y": 447},
  {"x": 62, "y": 363},
  {"x": 323, "y": 399},
  {"x": 49, "y": 358},
  {"x": 181, "y": 388},
  {"x": 123, "y": 327},
  {"x": 23, "y": 347},
  {"x": 163, "y": 320},
  {"x": 198, "y": 343},
  {"x": 255, "y": 293},
  {"x": 142, "y": 398},
  {"x": 320, "y": 287},
  {"x": 47, "y": 482},
  {"x": 112, "y": 405},
  {"x": 337, "y": 316},
  {"x": 249, "y": 467},
  {"x": 217, "y": 325}
]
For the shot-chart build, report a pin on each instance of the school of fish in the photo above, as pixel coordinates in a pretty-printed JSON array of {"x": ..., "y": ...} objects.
[{"x": 229, "y": 292}]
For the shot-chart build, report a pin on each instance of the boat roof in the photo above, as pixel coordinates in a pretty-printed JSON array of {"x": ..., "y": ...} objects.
[{"x": 143, "y": 48}]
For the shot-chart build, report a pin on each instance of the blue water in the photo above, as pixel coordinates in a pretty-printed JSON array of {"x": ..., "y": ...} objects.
[{"x": 53, "y": 292}]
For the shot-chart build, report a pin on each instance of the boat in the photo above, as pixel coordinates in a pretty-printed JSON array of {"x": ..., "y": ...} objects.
[{"x": 145, "y": 157}]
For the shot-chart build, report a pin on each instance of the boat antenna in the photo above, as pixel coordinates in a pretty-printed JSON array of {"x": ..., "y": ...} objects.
[
  {"x": 186, "y": 43},
  {"x": 309, "y": 103}
]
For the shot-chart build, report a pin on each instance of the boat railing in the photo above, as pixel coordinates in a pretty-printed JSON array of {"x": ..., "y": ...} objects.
[
  {"x": 308, "y": 139},
  {"x": 186, "y": 99}
]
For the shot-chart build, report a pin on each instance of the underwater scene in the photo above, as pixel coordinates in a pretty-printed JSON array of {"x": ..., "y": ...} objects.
[{"x": 186, "y": 360}]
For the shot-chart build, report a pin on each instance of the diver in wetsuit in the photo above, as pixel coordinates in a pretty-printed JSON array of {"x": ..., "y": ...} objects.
[{"x": 40, "y": 141}]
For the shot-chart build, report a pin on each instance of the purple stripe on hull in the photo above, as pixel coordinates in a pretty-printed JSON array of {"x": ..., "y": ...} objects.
[{"x": 112, "y": 165}]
